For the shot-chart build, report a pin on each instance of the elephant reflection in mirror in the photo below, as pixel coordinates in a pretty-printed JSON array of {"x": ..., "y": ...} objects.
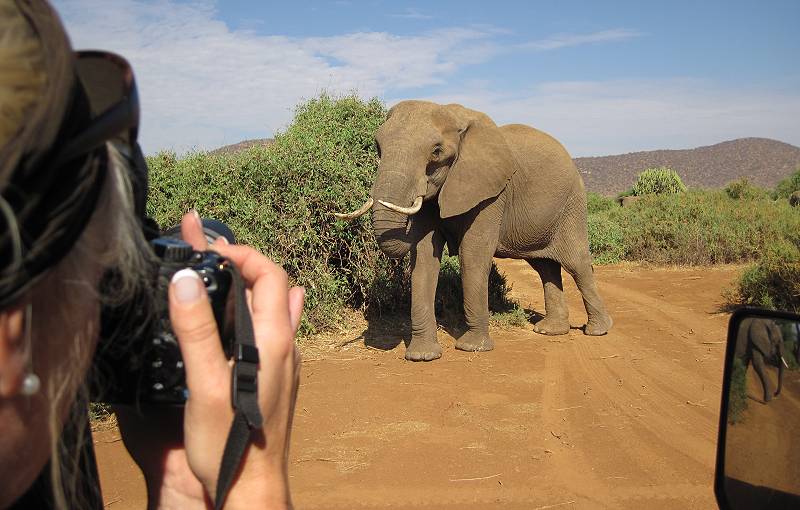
[
  {"x": 760, "y": 341},
  {"x": 449, "y": 175}
]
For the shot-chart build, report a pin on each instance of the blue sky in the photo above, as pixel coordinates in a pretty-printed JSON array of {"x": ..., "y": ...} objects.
[{"x": 602, "y": 77}]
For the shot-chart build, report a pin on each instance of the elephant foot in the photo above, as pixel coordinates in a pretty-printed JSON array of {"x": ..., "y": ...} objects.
[
  {"x": 598, "y": 326},
  {"x": 423, "y": 350},
  {"x": 552, "y": 326},
  {"x": 472, "y": 342}
]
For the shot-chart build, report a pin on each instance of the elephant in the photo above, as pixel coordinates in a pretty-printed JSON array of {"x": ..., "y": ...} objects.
[
  {"x": 794, "y": 198},
  {"x": 760, "y": 341},
  {"x": 448, "y": 175}
]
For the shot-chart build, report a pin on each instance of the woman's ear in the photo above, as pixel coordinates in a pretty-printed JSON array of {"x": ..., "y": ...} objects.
[
  {"x": 483, "y": 165},
  {"x": 12, "y": 362}
]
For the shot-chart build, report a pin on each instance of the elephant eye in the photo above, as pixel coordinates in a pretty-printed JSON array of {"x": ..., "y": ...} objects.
[{"x": 437, "y": 151}]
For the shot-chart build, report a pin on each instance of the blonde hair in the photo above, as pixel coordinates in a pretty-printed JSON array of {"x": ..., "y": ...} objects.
[
  {"x": 111, "y": 239},
  {"x": 22, "y": 76}
]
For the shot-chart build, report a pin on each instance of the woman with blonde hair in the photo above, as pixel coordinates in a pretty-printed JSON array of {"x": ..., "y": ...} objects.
[{"x": 68, "y": 179}]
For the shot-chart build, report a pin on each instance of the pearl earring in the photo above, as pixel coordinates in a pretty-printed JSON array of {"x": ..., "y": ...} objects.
[{"x": 31, "y": 383}]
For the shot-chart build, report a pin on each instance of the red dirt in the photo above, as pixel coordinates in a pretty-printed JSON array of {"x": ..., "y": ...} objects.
[{"x": 628, "y": 420}]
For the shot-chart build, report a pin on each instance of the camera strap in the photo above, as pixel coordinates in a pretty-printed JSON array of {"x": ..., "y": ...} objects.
[{"x": 244, "y": 392}]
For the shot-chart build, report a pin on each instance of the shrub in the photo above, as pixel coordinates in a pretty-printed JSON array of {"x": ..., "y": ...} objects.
[
  {"x": 787, "y": 186},
  {"x": 744, "y": 190},
  {"x": 658, "y": 181},
  {"x": 627, "y": 193},
  {"x": 790, "y": 343},
  {"x": 450, "y": 293},
  {"x": 606, "y": 239},
  {"x": 737, "y": 398},
  {"x": 703, "y": 227},
  {"x": 596, "y": 203},
  {"x": 774, "y": 281},
  {"x": 279, "y": 199}
]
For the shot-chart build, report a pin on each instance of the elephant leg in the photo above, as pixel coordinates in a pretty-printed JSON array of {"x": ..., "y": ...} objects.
[
  {"x": 556, "y": 318},
  {"x": 598, "y": 320},
  {"x": 571, "y": 245},
  {"x": 475, "y": 256},
  {"x": 759, "y": 366},
  {"x": 425, "y": 261}
]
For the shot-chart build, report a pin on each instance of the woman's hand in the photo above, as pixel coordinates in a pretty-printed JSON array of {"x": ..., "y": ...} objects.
[{"x": 262, "y": 479}]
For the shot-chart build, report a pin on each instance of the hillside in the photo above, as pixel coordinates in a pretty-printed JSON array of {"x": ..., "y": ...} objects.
[
  {"x": 238, "y": 147},
  {"x": 762, "y": 160}
]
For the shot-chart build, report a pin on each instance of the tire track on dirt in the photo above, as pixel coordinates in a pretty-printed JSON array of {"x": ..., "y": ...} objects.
[
  {"x": 566, "y": 422},
  {"x": 650, "y": 397}
]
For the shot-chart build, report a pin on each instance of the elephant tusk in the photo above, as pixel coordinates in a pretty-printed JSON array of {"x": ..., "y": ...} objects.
[
  {"x": 784, "y": 362},
  {"x": 355, "y": 214},
  {"x": 415, "y": 207}
]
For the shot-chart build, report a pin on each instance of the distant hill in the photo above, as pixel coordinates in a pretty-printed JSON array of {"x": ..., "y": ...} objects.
[
  {"x": 238, "y": 147},
  {"x": 762, "y": 160}
]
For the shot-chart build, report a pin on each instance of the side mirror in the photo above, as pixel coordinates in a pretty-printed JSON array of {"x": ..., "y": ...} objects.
[{"x": 758, "y": 449}]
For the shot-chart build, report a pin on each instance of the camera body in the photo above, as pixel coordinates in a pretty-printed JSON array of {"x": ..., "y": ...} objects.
[{"x": 138, "y": 359}]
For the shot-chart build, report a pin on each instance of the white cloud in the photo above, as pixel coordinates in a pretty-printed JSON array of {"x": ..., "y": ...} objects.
[
  {"x": 567, "y": 40},
  {"x": 411, "y": 13},
  {"x": 203, "y": 85},
  {"x": 609, "y": 117}
]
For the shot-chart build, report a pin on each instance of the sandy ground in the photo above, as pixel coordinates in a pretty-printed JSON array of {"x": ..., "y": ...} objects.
[{"x": 628, "y": 420}]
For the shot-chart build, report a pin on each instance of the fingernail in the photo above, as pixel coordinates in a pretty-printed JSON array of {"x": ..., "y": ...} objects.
[
  {"x": 197, "y": 216},
  {"x": 222, "y": 240},
  {"x": 188, "y": 286}
]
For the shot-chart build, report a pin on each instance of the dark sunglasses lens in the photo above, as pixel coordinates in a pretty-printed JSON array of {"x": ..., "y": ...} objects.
[
  {"x": 108, "y": 81},
  {"x": 103, "y": 81}
]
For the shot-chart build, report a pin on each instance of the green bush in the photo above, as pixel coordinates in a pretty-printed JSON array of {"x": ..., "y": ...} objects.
[
  {"x": 774, "y": 281},
  {"x": 626, "y": 193},
  {"x": 597, "y": 203},
  {"x": 279, "y": 199},
  {"x": 697, "y": 227},
  {"x": 787, "y": 186},
  {"x": 790, "y": 341},
  {"x": 744, "y": 190},
  {"x": 737, "y": 398},
  {"x": 658, "y": 181},
  {"x": 450, "y": 293},
  {"x": 606, "y": 238}
]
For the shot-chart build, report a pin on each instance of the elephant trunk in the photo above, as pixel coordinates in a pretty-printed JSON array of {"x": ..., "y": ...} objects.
[
  {"x": 391, "y": 231},
  {"x": 392, "y": 227}
]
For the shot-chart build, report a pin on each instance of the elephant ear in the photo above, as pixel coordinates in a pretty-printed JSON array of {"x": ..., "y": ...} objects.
[{"x": 483, "y": 166}]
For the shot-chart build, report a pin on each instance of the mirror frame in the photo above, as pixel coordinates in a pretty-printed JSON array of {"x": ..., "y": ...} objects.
[{"x": 730, "y": 350}]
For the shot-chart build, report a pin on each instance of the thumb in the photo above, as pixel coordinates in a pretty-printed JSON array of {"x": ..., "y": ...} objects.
[{"x": 193, "y": 323}]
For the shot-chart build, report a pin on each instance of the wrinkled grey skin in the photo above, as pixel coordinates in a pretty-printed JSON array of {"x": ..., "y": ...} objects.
[
  {"x": 507, "y": 192},
  {"x": 760, "y": 341}
]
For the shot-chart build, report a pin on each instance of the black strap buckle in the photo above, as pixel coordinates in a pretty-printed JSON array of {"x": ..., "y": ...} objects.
[{"x": 245, "y": 371}]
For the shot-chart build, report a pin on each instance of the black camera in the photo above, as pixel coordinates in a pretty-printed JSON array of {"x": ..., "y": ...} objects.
[{"x": 138, "y": 359}]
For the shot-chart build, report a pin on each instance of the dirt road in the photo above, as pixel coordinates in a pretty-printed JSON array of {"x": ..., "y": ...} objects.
[{"x": 628, "y": 420}]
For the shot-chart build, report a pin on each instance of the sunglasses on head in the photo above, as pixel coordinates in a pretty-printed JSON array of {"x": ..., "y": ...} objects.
[{"x": 108, "y": 81}]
